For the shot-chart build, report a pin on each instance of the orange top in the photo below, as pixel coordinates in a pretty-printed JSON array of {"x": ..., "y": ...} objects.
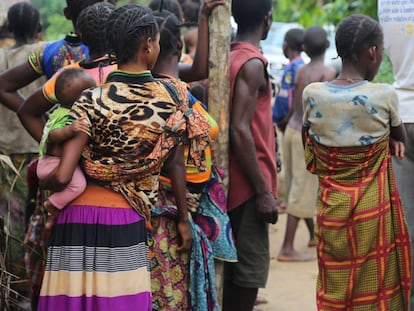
[
  {"x": 192, "y": 174},
  {"x": 48, "y": 88}
]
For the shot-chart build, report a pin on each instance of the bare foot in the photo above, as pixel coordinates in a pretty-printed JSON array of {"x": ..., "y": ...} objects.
[
  {"x": 312, "y": 243},
  {"x": 294, "y": 256},
  {"x": 260, "y": 300},
  {"x": 281, "y": 207}
]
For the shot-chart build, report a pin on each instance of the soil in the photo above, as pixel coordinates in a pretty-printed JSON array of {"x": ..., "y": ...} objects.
[{"x": 291, "y": 285}]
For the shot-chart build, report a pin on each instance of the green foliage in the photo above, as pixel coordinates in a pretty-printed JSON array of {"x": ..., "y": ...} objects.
[
  {"x": 309, "y": 13},
  {"x": 54, "y": 23},
  {"x": 58, "y": 27},
  {"x": 318, "y": 12},
  {"x": 385, "y": 73}
]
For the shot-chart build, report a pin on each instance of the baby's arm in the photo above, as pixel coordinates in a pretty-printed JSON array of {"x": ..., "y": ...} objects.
[{"x": 58, "y": 136}]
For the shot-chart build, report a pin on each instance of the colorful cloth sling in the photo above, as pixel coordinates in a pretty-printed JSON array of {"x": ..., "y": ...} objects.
[
  {"x": 364, "y": 254},
  {"x": 185, "y": 125}
]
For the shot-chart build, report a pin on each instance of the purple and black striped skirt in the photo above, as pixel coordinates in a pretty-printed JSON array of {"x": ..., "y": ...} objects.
[{"x": 97, "y": 257}]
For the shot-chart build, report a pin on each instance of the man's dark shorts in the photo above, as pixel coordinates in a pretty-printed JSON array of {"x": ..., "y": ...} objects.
[{"x": 252, "y": 243}]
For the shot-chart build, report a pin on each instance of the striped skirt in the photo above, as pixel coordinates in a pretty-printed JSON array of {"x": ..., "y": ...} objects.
[{"x": 97, "y": 257}]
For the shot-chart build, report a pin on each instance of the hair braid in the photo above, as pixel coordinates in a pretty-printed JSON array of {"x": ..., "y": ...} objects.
[
  {"x": 75, "y": 7},
  {"x": 126, "y": 28},
  {"x": 90, "y": 27},
  {"x": 167, "y": 5},
  {"x": 355, "y": 39},
  {"x": 170, "y": 33}
]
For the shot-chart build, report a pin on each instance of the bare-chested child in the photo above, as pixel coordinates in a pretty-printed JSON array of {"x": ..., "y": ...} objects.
[
  {"x": 69, "y": 85},
  {"x": 301, "y": 186}
]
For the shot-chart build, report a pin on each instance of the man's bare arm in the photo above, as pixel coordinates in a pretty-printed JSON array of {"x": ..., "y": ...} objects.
[{"x": 249, "y": 82}]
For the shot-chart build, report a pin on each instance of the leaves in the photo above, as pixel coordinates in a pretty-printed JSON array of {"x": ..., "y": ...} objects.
[
  {"x": 5, "y": 160},
  {"x": 318, "y": 12}
]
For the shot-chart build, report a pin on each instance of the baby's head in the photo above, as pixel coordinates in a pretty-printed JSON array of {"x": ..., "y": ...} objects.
[{"x": 70, "y": 84}]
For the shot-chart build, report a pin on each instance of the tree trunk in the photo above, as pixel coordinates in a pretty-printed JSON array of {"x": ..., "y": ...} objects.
[{"x": 218, "y": 101}]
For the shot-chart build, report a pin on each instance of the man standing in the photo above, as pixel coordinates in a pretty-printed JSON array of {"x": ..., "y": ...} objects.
[
  {"x": 398, "y": 26},
  {"x": 252, "y": 159}
]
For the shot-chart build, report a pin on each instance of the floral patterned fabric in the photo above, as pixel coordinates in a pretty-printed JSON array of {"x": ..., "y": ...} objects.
[{"x": 180, "y": 281}]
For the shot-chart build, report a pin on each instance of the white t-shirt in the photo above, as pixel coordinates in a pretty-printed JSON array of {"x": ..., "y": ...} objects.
[{"x": 397, "y": 20}]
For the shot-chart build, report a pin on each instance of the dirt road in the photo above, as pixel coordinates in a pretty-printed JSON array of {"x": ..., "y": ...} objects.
[{"x": 291, "y": 286}]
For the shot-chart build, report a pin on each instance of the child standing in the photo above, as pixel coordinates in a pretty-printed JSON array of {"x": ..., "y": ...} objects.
[
  {"x": 69, "y": 85},
  {"x": 301, "y": 186},
  {"x": 292, "y": 47},
  {"x": 350, "y": 123}
]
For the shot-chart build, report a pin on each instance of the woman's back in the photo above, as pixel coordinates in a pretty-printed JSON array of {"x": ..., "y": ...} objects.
[
  {"x": 126, "y": 119},
  {"x": 17, "y": 139},
  {"x": 350, "y": 115}
]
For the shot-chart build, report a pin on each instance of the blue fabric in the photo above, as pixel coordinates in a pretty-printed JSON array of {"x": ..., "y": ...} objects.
[
  {"x": 211, "y": 216},
  {"x": 281, "y": 105},
  {"x": 192, "y": 100},
  {"x": 61, "y": 53}
]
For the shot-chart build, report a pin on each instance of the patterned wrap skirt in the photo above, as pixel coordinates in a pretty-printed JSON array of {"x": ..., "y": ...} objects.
[
  {"x": 363, "y": 249},
  {"x": 97, "y": 257},
  {"x": 186, "y": 281}
]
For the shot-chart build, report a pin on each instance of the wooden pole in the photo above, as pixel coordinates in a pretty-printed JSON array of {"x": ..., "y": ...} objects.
[
  {"x": 218, "y": 102},
  {"x": 219, "y": 85}
]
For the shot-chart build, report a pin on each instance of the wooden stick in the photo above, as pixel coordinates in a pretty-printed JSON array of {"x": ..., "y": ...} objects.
[{"x": 218, "y": 101}]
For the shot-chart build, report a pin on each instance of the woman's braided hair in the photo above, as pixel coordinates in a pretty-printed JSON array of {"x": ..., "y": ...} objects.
[
  {"x": 356, "y": 32},
  {"x": 90, "y": 26},
  {"x": 75, "y": 7},
  {"x": 126, "y": 28},
  {"x": 23, "y": 20},
  {"x": 169, "y": 5},
  {"x": 170, "y": 33}
]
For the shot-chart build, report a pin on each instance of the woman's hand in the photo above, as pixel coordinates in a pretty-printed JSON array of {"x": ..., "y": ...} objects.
[
  {"x": 185, "y": 236},
  {"x": 397, "y": 148},
  {"x": 208, "y": 6}
]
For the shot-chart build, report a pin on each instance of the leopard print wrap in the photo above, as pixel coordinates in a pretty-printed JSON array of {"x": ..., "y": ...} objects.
[{"x": 132, "y": 128}]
